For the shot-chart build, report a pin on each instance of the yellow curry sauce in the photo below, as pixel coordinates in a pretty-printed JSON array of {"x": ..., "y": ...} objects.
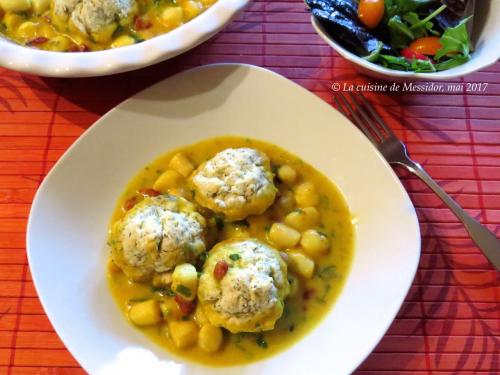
[
  {"x": 304, "y": 310},
  {"x": 34, "y": 23}
]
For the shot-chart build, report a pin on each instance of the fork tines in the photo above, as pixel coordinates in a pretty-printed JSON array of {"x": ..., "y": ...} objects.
[{"x": 364, "y": 116}]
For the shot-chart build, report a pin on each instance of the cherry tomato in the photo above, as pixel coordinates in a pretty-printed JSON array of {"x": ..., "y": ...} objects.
[
  {"x": 370, "y": 12},
  {"x": 428, "y": 45},
  {"x": 411, "y": 54},
  {"x": 220, "y": 269}
]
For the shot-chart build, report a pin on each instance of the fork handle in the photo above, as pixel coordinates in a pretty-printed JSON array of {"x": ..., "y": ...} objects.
[{"x": 482, "y": 236}]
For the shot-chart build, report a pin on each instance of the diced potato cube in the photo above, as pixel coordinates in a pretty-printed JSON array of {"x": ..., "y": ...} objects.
[
  {"x": 59, "y": 20},
  {"x": 161, "y": 280},
  {"x": 40, "y": 6},
  {"x": 183, "y": 333},
  {"x": 122, "y": 41},
  {"x": 283, "y": 236},
  {"x": 12, "y": 21},
  {"x": 170, "y": 309},
  {"x": 301, "y": 264},
  {"x": 315, "y": 243},
  {"x": 15, "y": 5},
  {"x": 27, "y": 30},
  {"x": 145, "y": 313},
  {"x": 210, "y": 338},
  {"x": 181, "y": 164},
  {"x": 185, "y": 281},
  {"x": 303, "y": 218},
  {"x": 191, "y": 9},
  {"x": 287, "y": 174},
  {"x": 59, "y": 43},
  {"x": 200, "y": 317},
  {"x": 105, "y": 34},
  {"x": 171, "y": 17},
  {"x": 167, "y": 180},
  {"x": 306, "y": 194}
]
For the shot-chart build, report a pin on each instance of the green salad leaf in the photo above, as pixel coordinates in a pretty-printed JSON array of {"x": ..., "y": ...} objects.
[
  {"x": 401, "y": 35},
  {"x": 455, "y": 40},
  {"x": 393, "y": 7},
  {"x": 401, "y": 63}
]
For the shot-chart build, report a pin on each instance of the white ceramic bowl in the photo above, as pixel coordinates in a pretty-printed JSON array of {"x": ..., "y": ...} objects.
[
  {"x": 486, "y": 36},
  {"x": 89, "y": 64},
  {"x": 69, "y": 217}
]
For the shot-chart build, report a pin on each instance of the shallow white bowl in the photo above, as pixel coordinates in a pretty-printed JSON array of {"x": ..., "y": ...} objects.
[
  {"x": 68, "y": 221},
  {"x": 89, "y": 64},
  {"x": 486, "y": 37}
]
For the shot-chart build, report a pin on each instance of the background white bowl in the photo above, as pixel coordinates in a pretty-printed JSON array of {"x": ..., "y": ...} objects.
[
  {"x": 89, "y": 64},
  {"x": 69, "y": 217},
  {"x": 486, "y": 38}
]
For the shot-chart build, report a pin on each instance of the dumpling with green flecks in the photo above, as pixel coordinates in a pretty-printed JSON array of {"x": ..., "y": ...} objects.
[
  {"x": 236, "y": 182},
  {"x": 243, "y": 286},
  {"x": 157, "y": 234}
]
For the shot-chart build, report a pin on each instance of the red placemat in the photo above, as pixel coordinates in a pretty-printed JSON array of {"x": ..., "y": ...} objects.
[{"x": 450, "y": 321}]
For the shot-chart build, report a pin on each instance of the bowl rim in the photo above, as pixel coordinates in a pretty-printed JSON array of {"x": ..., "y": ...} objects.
[
  {"x": 111, "y": 61},
  {"x": 397, "y": 74}
]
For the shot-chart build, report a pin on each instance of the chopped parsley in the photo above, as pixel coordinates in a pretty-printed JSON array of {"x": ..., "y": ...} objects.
[
  {"x": 219, "y": 221},
  {"x": 185, "y": 291},
  {"x": 327, "y": 272},
  {"x": 234, "y": 257},
  {"x": 261, "y": 342},
  {"x": 163, "y": 290}
]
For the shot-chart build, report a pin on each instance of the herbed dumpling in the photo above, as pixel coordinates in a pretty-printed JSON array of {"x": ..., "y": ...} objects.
[
  {"x": 92, "y": 16},
  {"x": 237, "y": 182},
  {"x": 243, "y": 286},
  {"x": 157, "y": 234}
]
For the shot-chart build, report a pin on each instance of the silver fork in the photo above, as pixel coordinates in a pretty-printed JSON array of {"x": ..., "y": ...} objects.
[{"x": 394, "y": 151}]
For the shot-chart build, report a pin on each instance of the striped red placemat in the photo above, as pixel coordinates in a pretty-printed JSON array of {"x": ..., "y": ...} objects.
[{"x": 450, "y": 321}]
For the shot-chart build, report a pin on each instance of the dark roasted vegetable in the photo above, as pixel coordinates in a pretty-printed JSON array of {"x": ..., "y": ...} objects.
[
  {"x": 351, "y": 34},
  {"x": 347, "y": 7}
]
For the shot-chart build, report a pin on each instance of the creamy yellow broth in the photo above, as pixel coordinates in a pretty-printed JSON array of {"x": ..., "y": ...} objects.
[
  {"x": 37, "y": 25},
  {"x": 303, "y": 311}
]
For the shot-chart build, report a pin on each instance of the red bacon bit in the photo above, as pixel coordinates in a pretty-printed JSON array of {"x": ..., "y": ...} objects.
[
  {"x": 186, "y": 307},
  {"x": 142, "y": 24},
  {"x": 131, "y": 202},
  {"x": 308, "y": 293},
  {"x": 37, "y": 41},
  {"x": 79, "y": 48},
  {"x": 148, "y": 192},
  {"x": 220, "y": 269}
]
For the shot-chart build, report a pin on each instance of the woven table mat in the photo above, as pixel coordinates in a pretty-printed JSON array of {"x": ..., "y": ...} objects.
[{"x": 450, "y": 320}]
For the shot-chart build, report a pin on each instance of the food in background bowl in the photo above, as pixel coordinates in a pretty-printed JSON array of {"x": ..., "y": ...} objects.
[
  {"x": 418, "y": 36},
  {"x": 240, "y": 284},
  {"x": 90, "y": 25}
]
